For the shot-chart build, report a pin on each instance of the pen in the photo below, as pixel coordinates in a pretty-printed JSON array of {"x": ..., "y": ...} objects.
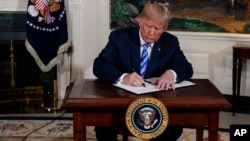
[
  {"x": 143, "y": 84},
  {"x": 145, "y": 80}
]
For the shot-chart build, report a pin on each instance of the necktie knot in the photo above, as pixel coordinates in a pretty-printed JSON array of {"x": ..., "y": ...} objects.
[{"x": 146, "y": 46}]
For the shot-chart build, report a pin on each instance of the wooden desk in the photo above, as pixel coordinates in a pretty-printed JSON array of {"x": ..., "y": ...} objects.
[
  {"x": 96, "y": 103},
  {"x": 239, "y": 53}
]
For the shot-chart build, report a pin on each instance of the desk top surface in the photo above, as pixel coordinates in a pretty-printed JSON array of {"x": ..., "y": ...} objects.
[
  {"x": 95, "y": 94},
  {"x": 242, "y": 44}
]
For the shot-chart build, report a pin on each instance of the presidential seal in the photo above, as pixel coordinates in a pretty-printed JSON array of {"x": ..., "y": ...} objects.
[{"x": 146, "y": 118}]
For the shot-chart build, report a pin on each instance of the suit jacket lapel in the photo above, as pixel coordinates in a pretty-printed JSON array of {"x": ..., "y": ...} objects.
[
  {"x": 135, "y": 57},
  {"x": 134, "y": 46},
  {"x": 154, "y": 57}
]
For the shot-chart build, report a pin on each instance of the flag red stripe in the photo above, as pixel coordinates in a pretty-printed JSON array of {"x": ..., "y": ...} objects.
[{"x": 39, "y": 5}]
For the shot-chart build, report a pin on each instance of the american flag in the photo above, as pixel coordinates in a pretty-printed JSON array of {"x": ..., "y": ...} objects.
[{"x": 40, "y": 5}]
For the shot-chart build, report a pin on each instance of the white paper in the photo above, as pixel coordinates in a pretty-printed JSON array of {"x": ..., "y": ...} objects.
[
  {"x": 184, "y": 83},
  {"x": 138, "y": 90},
  {"x": 149, "y": 87}
]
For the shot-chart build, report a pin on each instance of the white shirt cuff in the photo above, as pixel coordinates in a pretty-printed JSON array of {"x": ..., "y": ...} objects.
[
  {"x": 120, "y": 79},
  {"x": 175, "y": 75}
]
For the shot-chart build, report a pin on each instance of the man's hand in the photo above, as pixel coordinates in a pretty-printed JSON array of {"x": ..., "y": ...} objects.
[
  {"x": 165, "y": 81},
  {"x": 133, "y": 79}
]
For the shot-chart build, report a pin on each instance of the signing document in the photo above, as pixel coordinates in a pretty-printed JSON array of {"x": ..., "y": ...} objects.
[{"x": 148, "y": 88}]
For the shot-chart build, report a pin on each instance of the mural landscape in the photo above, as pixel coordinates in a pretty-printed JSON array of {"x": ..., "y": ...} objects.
[{"x": 223, "y": 16}]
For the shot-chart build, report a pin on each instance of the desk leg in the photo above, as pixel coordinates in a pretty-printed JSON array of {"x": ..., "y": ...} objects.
[
  {"x": 79, "y": 127},
  {"x": 199, "y": 133},
  {"x": 213, "y": 126},
  {"x": 234, "y": 83},
  {"x": 239, "y": 68}
]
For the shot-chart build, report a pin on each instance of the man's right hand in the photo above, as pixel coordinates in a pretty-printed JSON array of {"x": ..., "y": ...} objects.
[{"x": 133, "y": 79}]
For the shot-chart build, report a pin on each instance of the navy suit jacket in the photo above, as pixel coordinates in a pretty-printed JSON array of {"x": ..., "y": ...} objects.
[{"x": 122, "y": 55}]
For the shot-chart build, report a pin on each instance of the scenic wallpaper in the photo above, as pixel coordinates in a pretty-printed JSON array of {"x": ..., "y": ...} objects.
[{"x": 223, "y": 16}]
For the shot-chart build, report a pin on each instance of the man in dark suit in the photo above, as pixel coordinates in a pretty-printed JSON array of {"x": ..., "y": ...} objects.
[{"x": 120, "y": 61}]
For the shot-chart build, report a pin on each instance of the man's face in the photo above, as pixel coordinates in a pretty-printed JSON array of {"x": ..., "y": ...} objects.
[{"x": 151, "y": 30}]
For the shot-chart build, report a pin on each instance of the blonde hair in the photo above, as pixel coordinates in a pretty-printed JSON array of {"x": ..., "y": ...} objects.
[{"x": 158, "y": 12}]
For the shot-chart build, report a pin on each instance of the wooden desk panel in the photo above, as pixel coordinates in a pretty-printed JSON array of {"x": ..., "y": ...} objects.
[{"x": 96, "y": 103}]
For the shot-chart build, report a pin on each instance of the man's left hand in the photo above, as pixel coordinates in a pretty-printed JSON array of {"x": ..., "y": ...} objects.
[{"x": 165, "y": 81}]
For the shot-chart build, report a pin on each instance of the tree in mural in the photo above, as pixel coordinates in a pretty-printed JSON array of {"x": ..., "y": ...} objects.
[{"x": 123, "y": 14}]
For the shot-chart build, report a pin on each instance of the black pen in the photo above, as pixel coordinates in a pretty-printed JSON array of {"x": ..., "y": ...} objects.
[
  {"x": 143, "y": 84},
  {"x": 145, "y": 80}
]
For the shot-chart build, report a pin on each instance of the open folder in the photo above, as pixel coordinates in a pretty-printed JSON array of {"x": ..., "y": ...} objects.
[{"x": 149, "y": 87}]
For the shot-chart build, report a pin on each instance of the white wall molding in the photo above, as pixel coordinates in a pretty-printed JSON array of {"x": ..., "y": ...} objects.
[{"x": 212, "y": 36}]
